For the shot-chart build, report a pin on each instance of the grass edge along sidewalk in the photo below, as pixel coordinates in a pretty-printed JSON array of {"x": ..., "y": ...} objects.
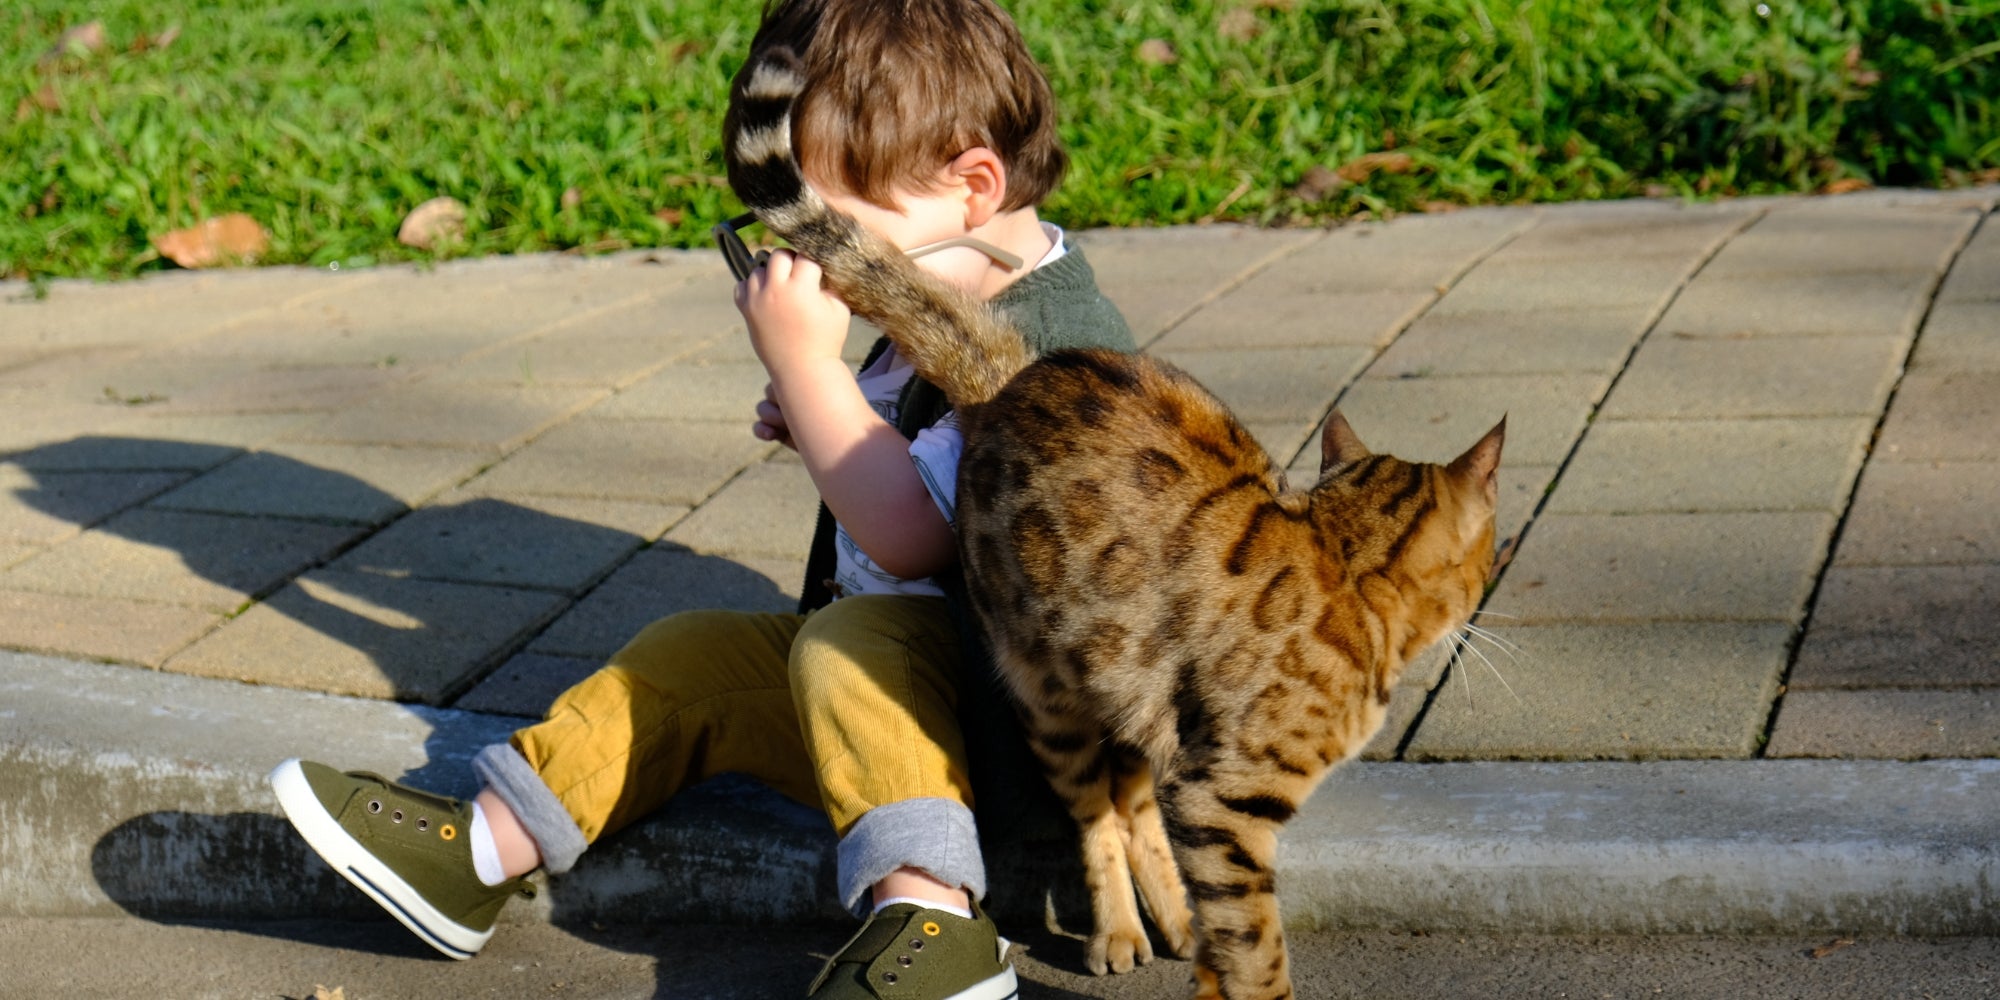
[{"x": 591, "y": 127}]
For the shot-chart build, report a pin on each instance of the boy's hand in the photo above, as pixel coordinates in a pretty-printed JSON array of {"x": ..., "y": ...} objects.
[
  {"x": 793, "y": 321},
  {"x": 770, "y": 425}
]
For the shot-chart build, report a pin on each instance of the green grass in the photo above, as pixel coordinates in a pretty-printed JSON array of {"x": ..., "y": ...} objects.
[{"x": 327, "y": 120}]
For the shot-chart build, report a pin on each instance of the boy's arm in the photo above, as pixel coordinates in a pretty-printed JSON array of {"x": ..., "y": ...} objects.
[{"x": 858, "y": 461}]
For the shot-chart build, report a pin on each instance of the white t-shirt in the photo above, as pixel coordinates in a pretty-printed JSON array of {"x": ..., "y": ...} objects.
[{"x": 936, "y": 451}]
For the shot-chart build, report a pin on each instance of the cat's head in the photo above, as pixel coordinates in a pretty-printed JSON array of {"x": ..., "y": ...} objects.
[{"x": 1419, "y": 537}]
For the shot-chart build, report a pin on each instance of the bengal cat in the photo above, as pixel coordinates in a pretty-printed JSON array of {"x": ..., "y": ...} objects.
[{"x": 1173, "y": 619}]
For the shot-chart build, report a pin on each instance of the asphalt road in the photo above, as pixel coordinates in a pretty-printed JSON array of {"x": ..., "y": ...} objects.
[{"x": 146, "y": 960}]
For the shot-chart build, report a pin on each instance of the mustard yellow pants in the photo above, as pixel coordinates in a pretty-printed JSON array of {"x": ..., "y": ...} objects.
[{"x": 852, "y": 708}]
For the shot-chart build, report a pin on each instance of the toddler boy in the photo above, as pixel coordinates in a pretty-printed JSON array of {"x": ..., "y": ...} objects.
[{"x": 928, "y": 121}]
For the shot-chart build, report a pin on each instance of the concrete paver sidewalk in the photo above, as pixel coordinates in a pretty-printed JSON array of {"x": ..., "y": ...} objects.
[{"x": 1751, "y": 464}]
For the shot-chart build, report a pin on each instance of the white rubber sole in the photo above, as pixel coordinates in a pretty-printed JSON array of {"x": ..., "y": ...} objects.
[
  {"x": 345, "y": 855},
  {"x": 1001, "y": 987}
]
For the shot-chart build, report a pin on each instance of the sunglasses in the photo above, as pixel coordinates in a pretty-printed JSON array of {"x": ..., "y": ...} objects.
[{"x": 742, "y": 261}]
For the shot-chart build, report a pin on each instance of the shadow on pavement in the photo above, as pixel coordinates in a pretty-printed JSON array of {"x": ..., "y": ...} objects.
[{"x": 186, "y": 867}]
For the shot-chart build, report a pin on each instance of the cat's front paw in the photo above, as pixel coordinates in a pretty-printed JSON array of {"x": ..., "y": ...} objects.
[{"x": 1119, "y": 950}]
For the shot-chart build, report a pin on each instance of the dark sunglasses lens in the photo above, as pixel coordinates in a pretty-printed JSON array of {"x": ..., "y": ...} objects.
[{"x": 741, "y": 263}]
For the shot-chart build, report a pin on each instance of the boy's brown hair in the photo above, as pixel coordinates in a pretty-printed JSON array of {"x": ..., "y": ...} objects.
[{"x": 895, "y": 89}]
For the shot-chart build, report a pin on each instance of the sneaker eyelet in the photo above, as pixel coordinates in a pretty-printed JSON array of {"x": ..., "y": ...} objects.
[
  {"x": 396, "y": 816},
  {"x": 374, "y": 806},
  {"x": 916, "y": 944},
  {"x": 423, "y": 824},
  {"x": 931, "y": 928},
  {"x": 448, "y": 832},
  {"x": 903, "y": 960},
  {"x": 889, "y": 977}
]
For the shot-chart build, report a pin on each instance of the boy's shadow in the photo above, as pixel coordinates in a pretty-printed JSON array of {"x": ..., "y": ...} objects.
[{"x": 146, "y": 864}]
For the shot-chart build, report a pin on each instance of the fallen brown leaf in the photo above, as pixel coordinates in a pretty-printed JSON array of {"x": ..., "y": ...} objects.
[
  {"x": 322, "y": 993},
  {"x": 432, "y": 224},
  {"x": 1440, "y": 207},
  {"x": 670, "y": 216},
  {"x": 695, "y": 180},
  {"x": 81, "y": 40},
  {"x": 1238, "y": 24},
  {"x": 571, "y": 198},
  {"x": 1845, "y": 185},
  {"x": 1830, "y": 947},
  {"x": 227, "y": 239},
  {"x": 1369, "y": 164},
  {"x": 1317, "y": 184},
  {"x": 1158, "y": 52},
  {"x": 44, "y": 98},
  {"x": 156, "y": 42}
]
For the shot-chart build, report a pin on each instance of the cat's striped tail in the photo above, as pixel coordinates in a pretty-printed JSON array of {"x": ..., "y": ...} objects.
[{"x": 956, "y": 342}]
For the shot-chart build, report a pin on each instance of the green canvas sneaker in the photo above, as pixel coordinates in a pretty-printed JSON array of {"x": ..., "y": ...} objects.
[
  {"x": 409, "y": 850},
  {"x": 907, "y": 952}
]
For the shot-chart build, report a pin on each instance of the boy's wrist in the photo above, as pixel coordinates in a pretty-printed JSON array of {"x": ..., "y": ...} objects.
[{"x": 800, "y": 371}]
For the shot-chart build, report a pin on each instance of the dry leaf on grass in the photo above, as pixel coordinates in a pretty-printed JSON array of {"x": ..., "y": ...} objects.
[
  {"x": 1317, "y": 184},
  {"x": 44, "y": 98},
  {"x": 156, "y": 42},
  {"x": 671, "y": 216},
  {"x": 1239, "y": 25},
  {"x": 695, "y": 180},
  {"x": 1845, "y": 185},
  {"x": 571, "y": 198},
  {"x": 229, "y": 239},
  {"x": 1369, "y": 164},
  {"x": 1320, "y": 183},
  {"x": 433, "y": 224},
  {"x": 1158, "y": 51},
  {"x": 81, "y": 40}
]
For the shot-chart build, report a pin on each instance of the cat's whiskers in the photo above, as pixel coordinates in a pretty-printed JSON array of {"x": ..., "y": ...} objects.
[
  {"x": 1457, "y": 665},
  {"x": 1499, "y": 641},
  {"x": 1468, "y": 644}
]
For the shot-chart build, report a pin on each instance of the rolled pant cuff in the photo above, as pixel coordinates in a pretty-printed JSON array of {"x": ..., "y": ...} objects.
[
  {"x": 934, "y": 834},
  {"x": 503, "y": 769}
]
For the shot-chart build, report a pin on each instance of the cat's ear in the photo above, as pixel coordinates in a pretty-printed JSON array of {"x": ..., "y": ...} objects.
[
  {"x": 1479, "y": 467},
  {"x": 1339, "y": 445}
]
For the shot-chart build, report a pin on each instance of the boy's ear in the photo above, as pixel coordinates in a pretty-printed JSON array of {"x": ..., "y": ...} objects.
[{"x": 984, "y": 177}]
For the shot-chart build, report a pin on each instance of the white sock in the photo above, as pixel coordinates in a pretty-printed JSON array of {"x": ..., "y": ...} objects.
[
  {"x": 485, "y": 854},
  {"x": 955, "y": 911}
]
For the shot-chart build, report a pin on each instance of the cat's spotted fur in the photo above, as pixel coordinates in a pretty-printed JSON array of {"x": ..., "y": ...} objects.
[{"x": 1193, "y": 644}]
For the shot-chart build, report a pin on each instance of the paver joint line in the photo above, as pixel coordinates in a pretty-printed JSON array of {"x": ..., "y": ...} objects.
[
  {"x": 1777, "y": 704},
  {"x": 1520, "y": 537}
]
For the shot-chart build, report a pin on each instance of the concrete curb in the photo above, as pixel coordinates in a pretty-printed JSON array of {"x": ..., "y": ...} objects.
[{"x": 131, "y": 792}]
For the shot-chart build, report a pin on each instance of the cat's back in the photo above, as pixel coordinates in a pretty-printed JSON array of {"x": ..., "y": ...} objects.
[
  {"x": 1097, "y": 477},
  {"x": 1092, "y": 426}
]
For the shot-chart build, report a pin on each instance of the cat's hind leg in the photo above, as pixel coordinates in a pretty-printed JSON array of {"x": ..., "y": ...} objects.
[
  {"x": 1225, "y": 835},
  {"x": 1150, "y": 855}
]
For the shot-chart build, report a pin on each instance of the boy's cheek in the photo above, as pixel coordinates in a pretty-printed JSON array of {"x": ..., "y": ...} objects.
[{"x": 961, "y": 268}]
